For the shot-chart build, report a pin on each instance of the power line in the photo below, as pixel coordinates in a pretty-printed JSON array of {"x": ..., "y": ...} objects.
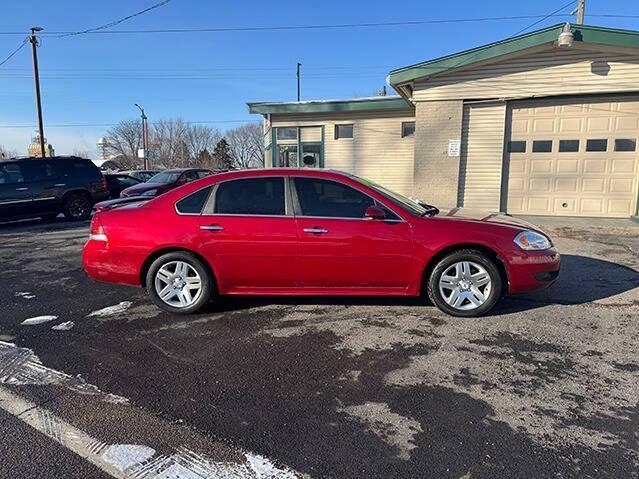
[
  {"x": 303, "y": 27},
  {"x": 544, "y": 18},
  {"x": 113, "y": 23},
  {"x": 77, "y": 125},
  {"x": 20, "y": 47}
]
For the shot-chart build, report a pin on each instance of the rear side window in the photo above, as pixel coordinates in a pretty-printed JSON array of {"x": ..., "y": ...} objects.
[
  {"x": 40, "y": 170},
  {"x": 251, "y": 196},
  {"x": 330, "y": 199},
  {"x": 203, "y": 173},
  {"x": 194, "y": 203}
]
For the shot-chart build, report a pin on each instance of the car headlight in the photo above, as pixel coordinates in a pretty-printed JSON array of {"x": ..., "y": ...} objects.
[
  {"x": 531, "y": 240},
  {"x": 151, "y": 192}
]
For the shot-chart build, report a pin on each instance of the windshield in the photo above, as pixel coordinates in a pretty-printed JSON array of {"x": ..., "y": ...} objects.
[
  {"x": 165, "y": 177},
  {"x": 400, "y": 200}
]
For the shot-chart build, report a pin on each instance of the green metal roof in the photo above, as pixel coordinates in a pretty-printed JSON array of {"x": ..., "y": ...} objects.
[
  {"x": 582, "y": 33},
  {"x": 332, "y": 106}
]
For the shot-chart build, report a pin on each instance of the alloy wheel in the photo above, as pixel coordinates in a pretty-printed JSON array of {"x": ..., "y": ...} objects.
[
  {"x": 178, "y": 284},
  {"x": 465, "y": 285}
]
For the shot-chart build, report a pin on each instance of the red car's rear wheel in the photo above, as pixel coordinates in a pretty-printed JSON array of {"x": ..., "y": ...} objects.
[{"x": 179, "y": 282}]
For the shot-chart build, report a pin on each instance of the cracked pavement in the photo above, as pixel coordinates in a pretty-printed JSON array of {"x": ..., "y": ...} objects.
[{"x": 547, "y": 386}]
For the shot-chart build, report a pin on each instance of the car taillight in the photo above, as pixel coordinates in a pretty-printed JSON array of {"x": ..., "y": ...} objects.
[
  {"x": 96, "y": 232},
  {"x": 103, "y": 184}
]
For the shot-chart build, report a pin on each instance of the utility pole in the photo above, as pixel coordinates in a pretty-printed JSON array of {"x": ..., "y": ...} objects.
[
  {"x": 145, "y": 136},
  {"x": 580, "y": 10},
  {"x": 298, "y": 81},
  {"x": 36, "y": 75}
]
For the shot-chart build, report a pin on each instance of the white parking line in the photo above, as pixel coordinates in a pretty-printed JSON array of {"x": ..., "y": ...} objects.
[{"x": 130, "y": 461}]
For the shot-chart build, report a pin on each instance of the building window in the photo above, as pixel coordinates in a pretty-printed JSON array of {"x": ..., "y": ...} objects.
[
  {"x": 408, "y": 128},
  {"x": 542, "y": 146},
  {"x": 625, "y": 144},
  {"x": 286, "y": 133},
  {"x": 568, "y": 146},
  {"x": 597, "y": 145},
  {"x": 343, "y": 131},
  {"x": 518, "y": 146}
]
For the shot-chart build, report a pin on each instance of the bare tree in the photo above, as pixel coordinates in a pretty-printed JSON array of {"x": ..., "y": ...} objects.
[
  {"x": 168, "y": 141},
  {"x": 81, "y": 153},
  {"x": 123, "y": 142},
  {"x": 247, "y": 145},
  {"x": 200, "y": 141},
  {"x": 6, "y": 153}
]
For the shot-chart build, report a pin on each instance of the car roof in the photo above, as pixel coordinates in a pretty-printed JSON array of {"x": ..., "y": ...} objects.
[
  {"x": 325, "y": 173},
  {"x": 35, "y": 158}
]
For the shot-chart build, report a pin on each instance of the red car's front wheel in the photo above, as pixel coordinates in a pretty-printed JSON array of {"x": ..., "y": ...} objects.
[{"x": 465, "y": 283}]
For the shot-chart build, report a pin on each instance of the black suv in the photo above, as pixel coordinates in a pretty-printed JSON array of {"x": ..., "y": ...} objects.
[{"x": 36, "y": 187}]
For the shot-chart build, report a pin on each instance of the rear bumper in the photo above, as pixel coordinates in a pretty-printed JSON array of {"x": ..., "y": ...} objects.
[
  {"x": 102, "y": 263},
  {"x": 533, "y": 270}
]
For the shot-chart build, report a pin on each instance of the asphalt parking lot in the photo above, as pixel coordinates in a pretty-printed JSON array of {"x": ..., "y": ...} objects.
[{"x": 547, "y": 386}]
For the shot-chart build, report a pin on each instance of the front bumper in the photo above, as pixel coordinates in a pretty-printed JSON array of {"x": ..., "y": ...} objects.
[{"x": 533, "y": 270}]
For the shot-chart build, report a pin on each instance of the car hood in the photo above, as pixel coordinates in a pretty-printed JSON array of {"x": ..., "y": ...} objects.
[
  {"x": 142, "y": 187},
  {"x": 475, "y": 215}
]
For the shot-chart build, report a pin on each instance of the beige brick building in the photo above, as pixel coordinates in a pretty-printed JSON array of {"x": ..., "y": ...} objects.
[{"x": 545, "y": 123}]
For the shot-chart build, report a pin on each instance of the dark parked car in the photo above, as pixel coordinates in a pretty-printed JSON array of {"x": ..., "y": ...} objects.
[
  {"x": 165, "y": 181},
  {"x": 116, "y": 182},
  {"x": 35, "y": 187},
  {"x": 142, "y": 175}
]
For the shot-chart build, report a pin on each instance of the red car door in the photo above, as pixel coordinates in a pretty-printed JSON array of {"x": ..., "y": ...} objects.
[
  {"x": 340, "y": 249},
  {"x": 250, "y": 236}
]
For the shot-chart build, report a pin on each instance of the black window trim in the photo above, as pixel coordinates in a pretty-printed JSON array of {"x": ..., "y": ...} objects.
[
  {"x": 298, "y": 208},
  {"x": 209, "y": 205},
  {"x": 336, "y": 137}
]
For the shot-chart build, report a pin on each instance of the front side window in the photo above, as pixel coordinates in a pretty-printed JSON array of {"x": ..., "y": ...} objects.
[
  {"x": 343, "y": 131},
  {"x": 194, "y": 203},
  {"x": 325, "y": 198},
  {"x": 251, "y": 196},
  {"x": 408, "y": 128},
  {"x": 10, "y": 173}
]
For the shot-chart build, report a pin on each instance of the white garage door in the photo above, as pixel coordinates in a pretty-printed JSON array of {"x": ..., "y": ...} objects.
[{"x": 573, "y": 158}]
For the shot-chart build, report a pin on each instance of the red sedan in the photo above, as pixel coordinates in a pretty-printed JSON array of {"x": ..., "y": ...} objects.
[{"x": 312, "y": 232}]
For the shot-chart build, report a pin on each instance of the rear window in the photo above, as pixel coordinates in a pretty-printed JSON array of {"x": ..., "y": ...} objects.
[
  {"x": 194, "y": 203},
  {"x": 252, "y": 196}
]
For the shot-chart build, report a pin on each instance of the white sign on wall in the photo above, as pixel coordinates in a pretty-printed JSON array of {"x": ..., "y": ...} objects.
[{"x": 454, "y": 146}]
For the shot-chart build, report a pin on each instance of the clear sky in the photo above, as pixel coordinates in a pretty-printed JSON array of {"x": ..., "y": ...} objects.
[{"x": 96, "y": 78}]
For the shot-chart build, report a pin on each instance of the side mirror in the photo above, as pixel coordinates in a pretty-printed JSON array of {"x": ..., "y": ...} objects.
[{"x": 375, "y": 213}]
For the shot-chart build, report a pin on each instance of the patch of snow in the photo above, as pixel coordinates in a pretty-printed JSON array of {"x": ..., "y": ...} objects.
[
  {"x": 25, "y": 295},
  {"x": 21, "y": 366},
  {"x": 125, "y": 456},
  {"x": 63, "y": 326},
  {"x": 263, "y": 468},
  {"x": 38, "y": 320},
  {"x": 111, "y": 310}
]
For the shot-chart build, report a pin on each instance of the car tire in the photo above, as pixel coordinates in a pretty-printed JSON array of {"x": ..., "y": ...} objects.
[
  {"x": 465, "y": 283},
  {"x": 77, "y": 207},
  {"x": 181, "y": 296}
]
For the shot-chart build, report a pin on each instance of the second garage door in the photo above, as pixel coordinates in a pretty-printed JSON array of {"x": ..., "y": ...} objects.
[{"x": 573, "y": 158}]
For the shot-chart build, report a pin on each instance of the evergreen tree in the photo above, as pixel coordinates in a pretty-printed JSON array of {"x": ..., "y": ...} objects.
[{"x": 222, "y": 155}]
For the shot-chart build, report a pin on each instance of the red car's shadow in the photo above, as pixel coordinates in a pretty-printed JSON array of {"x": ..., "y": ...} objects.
[{"x": 582, "y": 280}]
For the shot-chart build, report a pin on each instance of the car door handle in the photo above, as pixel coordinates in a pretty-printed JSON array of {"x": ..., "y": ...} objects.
[
  {"x": 60, "y": 185},
  {"x": 315, "y": 231},
  {"x": 24, "y": 188},
  {"x": 212, "y": 227}
]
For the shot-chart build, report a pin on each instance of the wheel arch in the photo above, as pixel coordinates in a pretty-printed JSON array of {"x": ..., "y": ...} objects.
[
  {"x": 77, "y": 191},
  {"x": 445, "y": 251},
  {"x": 173, "y": 249}
]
